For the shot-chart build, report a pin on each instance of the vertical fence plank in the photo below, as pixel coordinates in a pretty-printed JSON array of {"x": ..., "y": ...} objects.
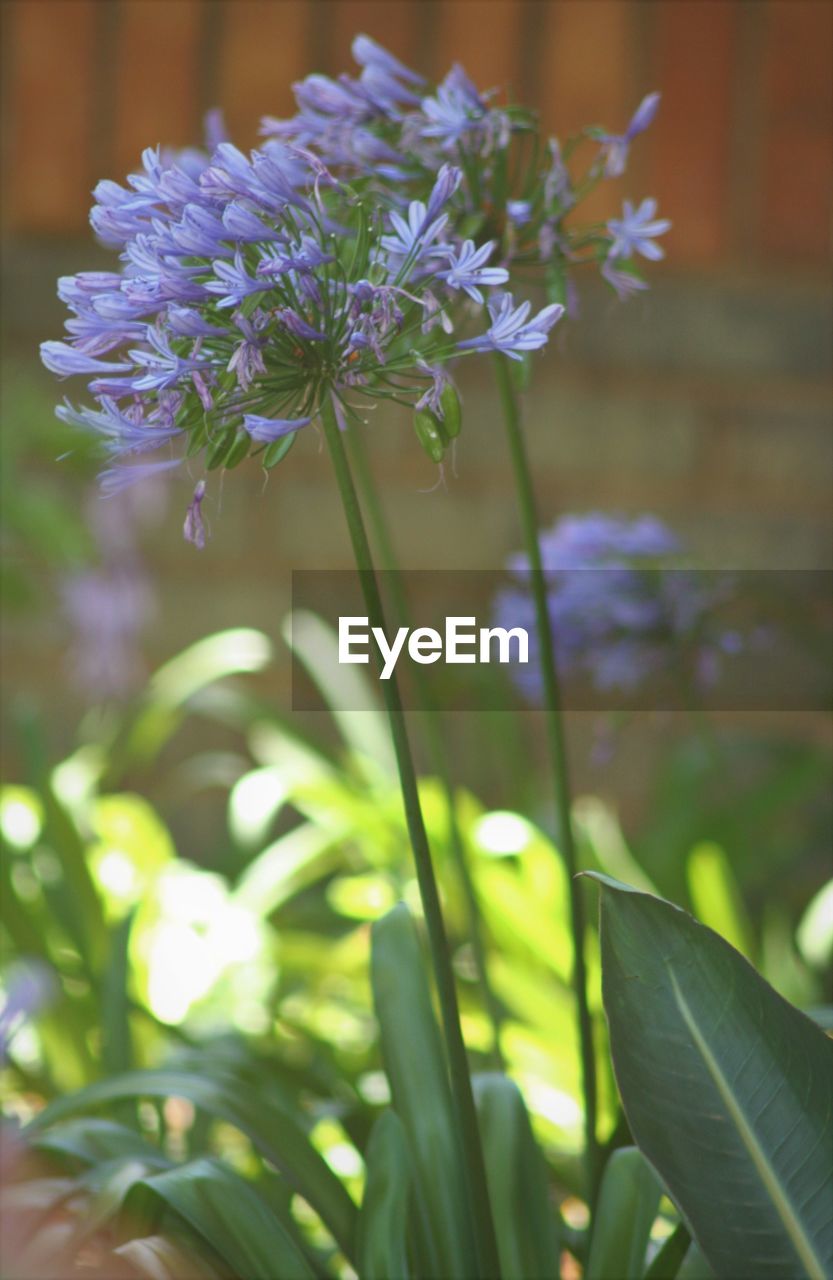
[
  {"x": 50, "y": 107},
  {"x": 585, "y": 75},
  {"x": 394, "y": 23},
  {"x": 797, "y": 194},
  {"x": 485, "y": 36},
  {"x": 157, "y": 80},
  {"x": 696, "y": 44},
  {"x": 264, "y": 48}
]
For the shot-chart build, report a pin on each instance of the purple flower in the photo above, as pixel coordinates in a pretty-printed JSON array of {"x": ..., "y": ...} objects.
[
  {"x": 431, "y": 399},
  {"x": 120, "y": 477},
  {"x": 620, "y": 609},
  {"x": 615, "y": 147},
  {"x": 299, "y": 327},
  {"x": 266, "y": 430},
  {"x": 246, "y": 226},
  {"x": 306, "y": 255},
  {"x": 234, "y": 282},
  {"x": 30, "y": 985},
  {"x": 511, "y": 332},
  {"x": 457, "y": 114},
  {"x": 66, "y": 361},
  {"x": 468, "y": 272},
  {"x": 415, "y": 236},
  {"x": 120, "y": 433},
  {"x": 634, "y": 232},
  {"x": 558, "y": 187},
  {"x": 368, "y": 53},
  {"x": 162, "y": 364},
  {"x": 448, "y": 180},
  {"x": 519, "y": 212},
  {"x": 193, "y": 530},
  {"x": 625, "y": 283}
]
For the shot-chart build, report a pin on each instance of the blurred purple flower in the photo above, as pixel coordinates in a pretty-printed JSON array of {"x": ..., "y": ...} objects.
[
  {"x": 615, "y": 147},
  {"x": 28, "y": 985},
  {"x": 635, "y": 231},
  {"x": 621, "y": 608},
  {"x": 266, "y": 430},
  {"x": 511, "y": 332}
]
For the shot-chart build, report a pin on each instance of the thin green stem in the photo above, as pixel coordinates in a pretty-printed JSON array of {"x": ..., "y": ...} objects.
[
  {"x": 558, "y": 753},
  {"x": 433, "y": 739},
  {"x": 472, "y": 1151}
]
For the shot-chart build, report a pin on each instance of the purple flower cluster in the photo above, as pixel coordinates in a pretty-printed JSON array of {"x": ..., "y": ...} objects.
[
  {"x": 251, "y": 289},
  {"x": 622, "y": 608},
  {"x": 390, "y": 127},
  {"x": 337, "y": 262}
]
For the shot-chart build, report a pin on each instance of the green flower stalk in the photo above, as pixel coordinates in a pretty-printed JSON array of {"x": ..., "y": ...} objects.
[{"x": 461, "y": 1081}]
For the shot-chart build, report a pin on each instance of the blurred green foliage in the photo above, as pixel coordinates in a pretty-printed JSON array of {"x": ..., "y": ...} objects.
[
  {"x": 244, "y": 988},
  {"x": 42, "y": 530}
]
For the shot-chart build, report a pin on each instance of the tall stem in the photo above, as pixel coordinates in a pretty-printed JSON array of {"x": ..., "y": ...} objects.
[
  {"x": 433, "y": 740},
  {"x": 558, "y": 753},
  {"x": 477, "y": 1187}
]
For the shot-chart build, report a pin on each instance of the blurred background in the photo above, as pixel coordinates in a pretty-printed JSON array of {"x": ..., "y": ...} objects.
[
  {"x": 187, "y": 855},
  {"x": 708, "y": 401}
]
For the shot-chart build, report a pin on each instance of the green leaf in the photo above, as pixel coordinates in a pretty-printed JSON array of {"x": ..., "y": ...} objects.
[
  {"x": 716, "y": 898},
  {"x": 91, "y": 1139},
  {"x": 671, "y": 1254},
  {"x": 628, "y": 1203},
  {"x": 343, "y": 688},
  {"x": 727, "y": 1088},
  {"x": 413, "y": 1055},
  {"x": 381, "y": 1248},
  {"x": 230, "y": 1216},
  {"x": 117, "y": 1045},
  {"x": 361, "y": 247},
  {"x": 524, "y": 1218},
  {"x": 694, "y": 1265},
  {"x": 272, "y": 1127}
]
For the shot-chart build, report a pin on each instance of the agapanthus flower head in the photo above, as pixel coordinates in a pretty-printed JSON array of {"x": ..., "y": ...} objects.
[
  {"x": 253, "y": 290},
  {"x": 391, "y": 130},
  {"x": 624, "y": 607}
]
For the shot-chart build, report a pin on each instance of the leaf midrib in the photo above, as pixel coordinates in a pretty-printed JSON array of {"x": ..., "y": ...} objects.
[{"x": 792, "y": 1224}]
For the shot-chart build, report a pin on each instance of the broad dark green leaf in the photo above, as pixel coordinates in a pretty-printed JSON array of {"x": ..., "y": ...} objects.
[
  {"x": 384, "y": 1215},
  {"x": 727, "y": 1088},
  {"x": 524, "y": 1217},
  {"x": 273, "y": 1129},
  {"x": 413, "y": 1054},
  {"x": 628, "y": 1203},
  {"x": 230, "y": 1216}
]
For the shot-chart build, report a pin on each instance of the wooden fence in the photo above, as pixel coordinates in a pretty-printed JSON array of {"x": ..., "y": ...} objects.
[{"x": 739, "y": 156}]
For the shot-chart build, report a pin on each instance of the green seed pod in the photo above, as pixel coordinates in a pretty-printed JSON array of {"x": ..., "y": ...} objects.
[
  {"x": 430, "y": 434},
  {"x": 452, "y": 412},
  {"x": 219, "y": 449},
  {"x": 277, "y": 451},
  {"x": 197, "y": 439},
  {"x": 239, "y": 449}
]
